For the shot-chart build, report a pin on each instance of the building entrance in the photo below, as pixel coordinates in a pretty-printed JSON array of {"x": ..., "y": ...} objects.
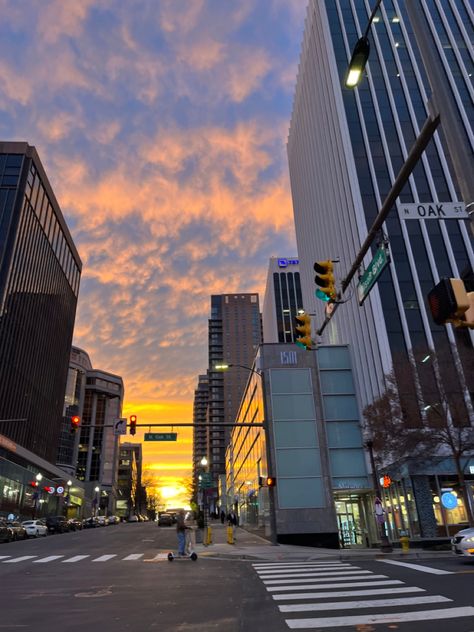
[{"x": 351, "y": 521}]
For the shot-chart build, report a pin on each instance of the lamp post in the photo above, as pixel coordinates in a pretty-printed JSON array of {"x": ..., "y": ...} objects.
[
  {"x": 204, "y": 463},
  {"x": 96, "y": 499},
  {"x": 360, "y": 54},
  {"x": 385, "y": 545},
  {"x": 268, "y": 450},
  {"x": 37, "y": 493}
]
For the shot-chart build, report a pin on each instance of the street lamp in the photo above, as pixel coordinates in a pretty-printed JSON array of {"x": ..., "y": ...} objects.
[
  {"x": 385, "y": 545},
  {"x": 360, "y": 54},
  {"x": 271, "y": 489},
  {"x": 96, "y": 499}
]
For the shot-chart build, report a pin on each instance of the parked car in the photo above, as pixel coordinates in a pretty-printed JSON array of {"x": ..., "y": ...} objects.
[
  {"x": 114, "y": 519},
  {"x": 74, "y": 524},
  {"x": 165, "y": 520},
  {"x": 19, "y": 532},
  {"x": 133, "y": 519},
  {"x": 102, "y": 521},
  {"x": 91, "y": 523},
  {"x": 463, "y": 542},
  {"x": 6, "y": 534},
  {"x": 35, "y": 528},
  {"x": 57, "y": 524}
]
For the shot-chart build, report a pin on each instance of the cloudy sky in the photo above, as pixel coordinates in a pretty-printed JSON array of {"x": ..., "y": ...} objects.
[{"x": 162, "y": 125}]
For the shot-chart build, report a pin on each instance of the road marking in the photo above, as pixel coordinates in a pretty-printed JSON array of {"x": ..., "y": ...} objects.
[
  {"x": 400, "y": 617},
  {"x": 160, "y": 557},
  {"x": 304, "y": 581},
  {"x": 19, "y": 559},
  {"x": 418, "y": 567},
  {"x": 388, "y": 582},
  {"x": 329, "y": 575},
  {"x": 104, "y": 558},
  {"x": 295, "y": 565},
  {"x": 4, "y": 557},
  {"x": 133, "y": 556},
  {"x": 348, "y": 593},
  {"x": 309, "y": 569},
  {"x": 50, "y": 558},
  {"x": 371, "y": 603},
  {"x": 76, "y": 558}
]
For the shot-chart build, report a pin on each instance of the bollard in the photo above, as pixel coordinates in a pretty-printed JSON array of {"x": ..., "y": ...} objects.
[
  {"x": 208, "y": 536},
  {"x": 230, "y": 535},
  {"x": 405, "y": 542}
]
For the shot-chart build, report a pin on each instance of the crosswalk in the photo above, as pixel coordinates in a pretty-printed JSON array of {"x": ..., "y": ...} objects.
[
  {"x": 64, "y": 559},
  {"x": 360, "y": 597}
]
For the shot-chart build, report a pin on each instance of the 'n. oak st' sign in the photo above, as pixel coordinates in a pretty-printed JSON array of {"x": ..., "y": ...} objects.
[{"x": 432, "y": 210}]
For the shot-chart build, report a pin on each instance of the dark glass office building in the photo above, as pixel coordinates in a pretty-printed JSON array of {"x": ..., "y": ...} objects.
[{"x": 39, "y": 283}]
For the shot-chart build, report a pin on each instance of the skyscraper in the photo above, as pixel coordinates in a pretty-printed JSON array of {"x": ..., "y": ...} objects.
[
  {"x": 200, "y": 416},
  {"x": 235, "y": 332},
  {"x": 282, "y": 300},
  {"x": 39, "y": 283},
  {"x": 345, "y": 149}
]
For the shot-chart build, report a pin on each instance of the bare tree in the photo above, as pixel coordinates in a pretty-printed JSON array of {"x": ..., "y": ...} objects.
[{"x": 423, "y": 413}]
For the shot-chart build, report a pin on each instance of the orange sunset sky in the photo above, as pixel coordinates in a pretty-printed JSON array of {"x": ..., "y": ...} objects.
[{"x": 162, "y": 126}]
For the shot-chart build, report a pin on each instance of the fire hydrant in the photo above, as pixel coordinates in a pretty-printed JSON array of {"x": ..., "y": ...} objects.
[{"x": 405, "y": 542}]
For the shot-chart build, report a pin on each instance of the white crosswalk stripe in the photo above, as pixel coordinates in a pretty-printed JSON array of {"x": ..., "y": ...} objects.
[
  {"x": 105, "y": 558},
  {"x": 15, "y": 560},
  {"x": 4, "y": 557},
  {"x": 50, "y": 558},
  {"x": 76, "y": 558},
  {"x": 321, "y": 585},
  {"x": 133, "y": 556},
  {"x": 8, "y": 559}
]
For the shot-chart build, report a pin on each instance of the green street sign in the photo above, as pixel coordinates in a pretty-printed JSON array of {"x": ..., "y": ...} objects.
[
  {"x": 374, "y": 270},
  {"x": 161, "y": 436}
]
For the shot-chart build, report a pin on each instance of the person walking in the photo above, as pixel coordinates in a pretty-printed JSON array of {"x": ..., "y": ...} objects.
[
  {"x": 181, "y": 532},
  {"x": 222, "y": 516}
]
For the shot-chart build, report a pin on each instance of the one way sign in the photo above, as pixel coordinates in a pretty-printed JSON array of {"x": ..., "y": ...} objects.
[{"x": 432, "y": 210}]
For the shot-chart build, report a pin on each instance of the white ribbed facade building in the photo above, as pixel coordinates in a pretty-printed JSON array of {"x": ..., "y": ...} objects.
[
  {"x": 282, "y": 300},
  {"x": 345, "y": 149}
]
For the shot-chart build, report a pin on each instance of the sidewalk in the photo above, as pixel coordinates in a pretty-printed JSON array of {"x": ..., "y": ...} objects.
[{"x": 249, "y": 546}]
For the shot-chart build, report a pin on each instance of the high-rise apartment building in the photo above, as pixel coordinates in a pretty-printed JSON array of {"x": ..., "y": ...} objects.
[
  {"x": 345, "y": 149},
  {"x": 282, "y": 300},
  {"x": 39, "y": 283},
  {"x": 235, "y": 332},
  {"x": 200, "y": 416}
]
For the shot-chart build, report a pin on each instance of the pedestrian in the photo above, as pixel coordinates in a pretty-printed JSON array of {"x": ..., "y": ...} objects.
[
  {"x": 232, "y": 521},
  {"x": 222, "y": 516},
  {"x": 181, "y": 532}
]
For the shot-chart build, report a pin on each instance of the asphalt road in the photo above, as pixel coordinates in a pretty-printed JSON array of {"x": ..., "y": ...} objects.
[{"x": 117, "y": 578}]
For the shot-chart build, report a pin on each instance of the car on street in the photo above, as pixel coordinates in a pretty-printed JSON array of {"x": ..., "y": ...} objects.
[
  {"x": 102, "y": 520},
  {"x": 35, "y": 528},
  {"x": 57, "y": 524},
  {"x": 74, "y": 524},
  {"x": 133, "y": 519},
  {"x": 114, "y": 519},
  {"x": 6, "y": 534},
  {"x": 18, "y": 530},
  {"x": 165, "y": 520},
  {"x": 91, "y": 523},
  {"x": 463, "y": 542}
]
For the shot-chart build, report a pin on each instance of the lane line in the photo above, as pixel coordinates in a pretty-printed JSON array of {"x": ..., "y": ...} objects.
[
  {"x": 418, "y": 567},
  {"x": 370, "y": 603},
  {"x": 50, "y": 558},
  {"x": 104, "y": 558},
  {"x": 400, "y": 617},
  {"x": 330, "y": 575},
  {"x": 348, "y": 593},
  {"x": 387, "y": 582},
  {"x": 299, "y": 564},
  {"x": 309, "y": 581},
  {"x": 76, "y": 558},
  {"x": 4, "y": 557},
  {"x": 312, "y": 569},
  {"x": 133, "y": 556},
  {"x": 15, "y": 560}
]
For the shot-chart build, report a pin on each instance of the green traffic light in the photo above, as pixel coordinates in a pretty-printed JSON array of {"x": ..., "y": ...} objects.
[{"x": 324, "y": 297}]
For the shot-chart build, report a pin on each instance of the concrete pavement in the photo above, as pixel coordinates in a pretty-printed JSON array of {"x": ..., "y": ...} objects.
[{"x": 249, "y": 546}]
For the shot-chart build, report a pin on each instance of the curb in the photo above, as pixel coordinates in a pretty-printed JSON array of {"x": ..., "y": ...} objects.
[{"x": 340, "y": 557}]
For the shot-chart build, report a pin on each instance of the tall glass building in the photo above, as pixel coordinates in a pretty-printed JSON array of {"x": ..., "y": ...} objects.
[
  {"x": 39, "y": 283},
  {"x": 282, "y": 300},
  {"x": 345, "y": 149}
]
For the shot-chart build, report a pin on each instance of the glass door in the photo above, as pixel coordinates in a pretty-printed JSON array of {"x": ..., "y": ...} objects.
[{"x": 349, "y": 522}]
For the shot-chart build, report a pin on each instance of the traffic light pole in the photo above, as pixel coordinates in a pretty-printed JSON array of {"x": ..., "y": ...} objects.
[{"x": 408, "y": 166}]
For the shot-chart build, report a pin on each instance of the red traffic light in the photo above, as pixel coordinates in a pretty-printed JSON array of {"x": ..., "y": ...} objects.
[
  {"x": 387, "y": 481},
  {"x": 133, "y": 424},
  {"x": 75, "y": 421}
]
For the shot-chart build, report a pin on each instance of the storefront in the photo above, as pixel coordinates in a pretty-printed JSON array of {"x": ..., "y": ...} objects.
[{"x": 355, "y": 519}]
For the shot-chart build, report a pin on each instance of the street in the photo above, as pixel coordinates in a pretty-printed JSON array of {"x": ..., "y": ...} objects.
[{"x": 118, "y": 578}]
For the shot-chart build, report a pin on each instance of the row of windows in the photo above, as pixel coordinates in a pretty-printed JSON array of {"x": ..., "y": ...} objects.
[{"x": 44, "y": 210}]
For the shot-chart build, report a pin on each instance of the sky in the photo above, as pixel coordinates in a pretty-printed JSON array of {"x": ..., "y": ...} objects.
[{"x": 162, "y": 126}]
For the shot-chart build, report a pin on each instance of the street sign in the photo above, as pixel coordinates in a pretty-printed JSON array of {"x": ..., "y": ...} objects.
[
  {"x": 374, "y": 270},
  {"x": 432, "y": 210},
  {"x": 161, "y": 436},
  {"x": 120, "y": 427}
]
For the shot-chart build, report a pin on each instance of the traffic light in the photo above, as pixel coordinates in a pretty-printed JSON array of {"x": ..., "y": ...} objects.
[
  {"x": 266, "y": 481},
  {"x": 450, "y": 303},
  {"x": 133, "y": 424},
  {"x": 271, "y": 481},
  {"x": 303, "y": 326},
  {"x": 75, "y": 422},
  {"x": 325, "y": 279}
]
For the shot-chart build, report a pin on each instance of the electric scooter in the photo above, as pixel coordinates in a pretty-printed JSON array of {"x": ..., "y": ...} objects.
[{"x": 190, "y": 553}]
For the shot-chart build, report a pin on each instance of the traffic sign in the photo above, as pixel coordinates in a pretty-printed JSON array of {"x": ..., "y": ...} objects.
[
  {"x": 161, "y": 436},
  {"x": 120, "y": 427},
  {"x": 374, "y": 270}
]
